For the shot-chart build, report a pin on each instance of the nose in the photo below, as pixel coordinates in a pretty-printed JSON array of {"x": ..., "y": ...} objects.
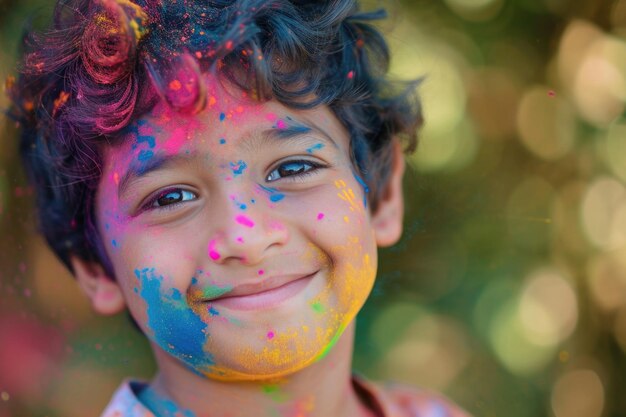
[{"x": 246, "y": 236}]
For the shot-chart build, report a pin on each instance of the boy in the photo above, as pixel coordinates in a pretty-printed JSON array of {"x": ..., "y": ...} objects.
[{"x": 225, "y": 171}]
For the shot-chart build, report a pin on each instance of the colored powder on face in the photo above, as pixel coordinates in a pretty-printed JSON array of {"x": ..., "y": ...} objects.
[
  {"x": 244, "y": 221},
  {"x": 261, "y": 272},
  {"x": 274, "y": 194},
  {"x": 275, "y": 393},
  {"x": 238, "y": 167},
  {"x": 366, "y": 189},
  {"x": 318, "y": 307},
  {"x": 213, "y": 254},
  {"x": 320, "y": 216},
  {"x": 213, "y": 291},
  {"x": 175, "y": 327},
  {"x": 161, "y": 406},
  {"x": 239, "y": 239},
  {"x": 222, "y": 141},
  {"x": 276, "y": 197},
  {"x": 315, "y": 147},
  {"x": 280, "y": 124},
  {"x": 213, "y": 311},
  {"x": 331, "y": 344},
  {"x": 222, "y": 117},
  {"x": 270, "y": 335},
  {"x": 351, "y": 75},
  {"x": 114, "y": 243}
]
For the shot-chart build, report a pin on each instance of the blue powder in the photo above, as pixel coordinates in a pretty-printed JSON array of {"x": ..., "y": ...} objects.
[
  {"x": 176, "y": 329},
  {"x": 213, "y": 311},
  {"x": 274, "y": 194},
  {"x": 161, "y": 406},
  {"x": 222, "y": 141},
  {"x": 366, "y": 189},
  {"x": 222, "y": 117},
  {"x": 114, "y": 243},
  {"x": 144, "y": 155},
  {"x": 238, "y": 167},
  {"x": 315, "y": 147}
]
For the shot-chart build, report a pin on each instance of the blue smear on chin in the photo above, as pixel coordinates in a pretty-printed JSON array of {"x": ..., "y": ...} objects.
[{"x": 175, "y": 327}]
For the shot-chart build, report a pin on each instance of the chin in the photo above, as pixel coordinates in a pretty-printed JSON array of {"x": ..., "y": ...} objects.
[{"x": 271, "y": 363}]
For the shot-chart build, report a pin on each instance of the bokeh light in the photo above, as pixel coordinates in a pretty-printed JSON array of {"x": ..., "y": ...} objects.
[
  {"x": 578, "y": 393},
  {"x": 604, "y": 213},
  {"x": 546, "y": 123}
]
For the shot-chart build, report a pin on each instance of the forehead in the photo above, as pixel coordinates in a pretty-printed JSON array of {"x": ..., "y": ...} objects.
[{"x": 228, "y": 121}]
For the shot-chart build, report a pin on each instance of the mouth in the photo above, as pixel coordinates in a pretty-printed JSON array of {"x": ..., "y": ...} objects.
[{"x": 263, "y": 295}]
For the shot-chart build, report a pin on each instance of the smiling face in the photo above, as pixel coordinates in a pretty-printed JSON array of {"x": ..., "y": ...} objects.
[{"x": 239, "y": 237}]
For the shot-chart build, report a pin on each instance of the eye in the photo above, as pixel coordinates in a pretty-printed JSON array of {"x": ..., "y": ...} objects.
[
  {"x": 292, "y": 169},
  {"x": 172, "y": 196}
]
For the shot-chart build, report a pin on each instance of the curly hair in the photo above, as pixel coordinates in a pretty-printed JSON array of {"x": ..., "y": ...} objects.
[{"x": 104, "y": 63}]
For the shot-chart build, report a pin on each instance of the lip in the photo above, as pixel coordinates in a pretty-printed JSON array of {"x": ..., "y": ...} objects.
[{"x": 262, "y": 295}]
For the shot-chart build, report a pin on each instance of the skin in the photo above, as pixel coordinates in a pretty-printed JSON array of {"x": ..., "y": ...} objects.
[{"x": 238, "y": 203}]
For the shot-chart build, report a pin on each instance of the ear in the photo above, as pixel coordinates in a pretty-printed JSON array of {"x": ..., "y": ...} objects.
[
  {"x": 387, "y": 220},
  {"x": 105, "y": 294}
]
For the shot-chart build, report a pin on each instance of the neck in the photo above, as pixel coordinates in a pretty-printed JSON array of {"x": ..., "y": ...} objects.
[{"x": 321, "y": 389}]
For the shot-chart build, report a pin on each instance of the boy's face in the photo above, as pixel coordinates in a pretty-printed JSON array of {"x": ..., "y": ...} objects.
[{"x": 238, "y": 236}]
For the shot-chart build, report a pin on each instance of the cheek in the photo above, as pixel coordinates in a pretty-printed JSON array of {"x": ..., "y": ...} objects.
[{"x": 169, "y": 320}]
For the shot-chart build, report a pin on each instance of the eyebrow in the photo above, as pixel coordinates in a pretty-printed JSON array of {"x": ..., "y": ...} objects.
[
  {"x": 294, "y": 128},
  {"x": 157, "y": 161}
]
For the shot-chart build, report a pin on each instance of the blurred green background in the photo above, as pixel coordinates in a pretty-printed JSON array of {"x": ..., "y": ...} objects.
[{"x": 508, "y": 289}]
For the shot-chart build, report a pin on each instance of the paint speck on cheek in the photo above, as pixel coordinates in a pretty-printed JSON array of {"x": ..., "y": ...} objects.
[
  {"x": 213, "y": 312},
  {"x": 244, "y": 221},
  {"x": 320, "y": 216},
  {"x": 222, "y": 141},
  {"x": 222, "y": 117},
  {"x": 261, "y": 272},
  {"x": 270, "y": 335},
  {"x": 213, "y": 253},
  {"x": 239, "y": 239},
  {"x": 114, "y": 243},
  {"x": 346, "y": 219}
]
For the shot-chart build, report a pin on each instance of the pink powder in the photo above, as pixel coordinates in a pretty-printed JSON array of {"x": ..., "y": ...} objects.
[
  {"x": 270, "y": 335},
  {"x": 271, "y": 117},
  {"x": 244, "y": 221},
  {"x": 213, "y": 254},
  {"x": 351, "y": 75},
  {"x": 261, "y": 272},
  {"x": 281, "y": 124},
  {"x": 320, "y": 216}
]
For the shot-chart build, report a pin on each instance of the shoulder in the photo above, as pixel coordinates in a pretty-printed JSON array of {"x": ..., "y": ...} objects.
[
  {"x": 125, "y": 403},
  {"x": 398, "y": 400}
]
